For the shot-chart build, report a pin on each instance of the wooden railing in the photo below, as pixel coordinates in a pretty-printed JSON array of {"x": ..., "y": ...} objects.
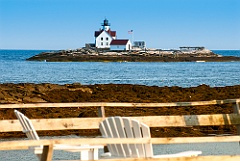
[{"x": 152, "y": 121}]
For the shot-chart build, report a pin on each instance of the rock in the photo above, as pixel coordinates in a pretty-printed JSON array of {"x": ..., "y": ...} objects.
[
  {"x": 153, "y": 55},
  {"x": 33, "y": 100},
  {"x": 88, "y": 113},
  {"x": 34, "y": 93}
]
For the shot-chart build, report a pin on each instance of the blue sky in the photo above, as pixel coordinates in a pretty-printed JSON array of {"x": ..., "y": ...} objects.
[{"x": 69, "y": 24}]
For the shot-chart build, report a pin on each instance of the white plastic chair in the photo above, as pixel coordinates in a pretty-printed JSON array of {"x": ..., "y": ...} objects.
[
  {"x": 87, "y": 152},
  {"x": 122, "y": 127}
]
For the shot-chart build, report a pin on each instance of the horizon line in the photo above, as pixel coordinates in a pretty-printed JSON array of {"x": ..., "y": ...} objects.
[{"x": 82, "y": 47}]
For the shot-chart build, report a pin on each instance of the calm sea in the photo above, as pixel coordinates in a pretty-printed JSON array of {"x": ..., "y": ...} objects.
[{"x": 15, "y": 69}]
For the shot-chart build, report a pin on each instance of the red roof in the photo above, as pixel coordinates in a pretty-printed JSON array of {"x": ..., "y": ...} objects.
[
  {"x": 119, "y": 42},
  {"x": 111, "y": 33}
]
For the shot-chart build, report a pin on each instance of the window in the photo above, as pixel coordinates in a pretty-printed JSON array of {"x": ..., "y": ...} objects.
[
  {"x": 107, "y": 38},
  {"x": 101, "y": 43},
  {"x": 102, "y": 38},
  {"x": 107, "y": 43}
]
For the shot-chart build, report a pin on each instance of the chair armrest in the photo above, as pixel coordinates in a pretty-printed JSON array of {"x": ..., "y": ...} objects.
[
  {"x": 76, "y": 148},
  {"x": 181, "y": 154},
  {"x": 107, "y": 154}
]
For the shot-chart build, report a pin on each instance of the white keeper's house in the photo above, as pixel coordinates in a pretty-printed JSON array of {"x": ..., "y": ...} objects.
[{"x": 107, "y": 39}]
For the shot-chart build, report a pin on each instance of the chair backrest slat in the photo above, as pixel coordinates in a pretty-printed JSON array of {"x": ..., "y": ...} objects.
[
  {"x": 27, "y": 126},
  {"x": 122, "y": 134},
  {"x": 129, "y": 133},
  {"x": 138, "y": 134},
  {"x": 115, "y": 134},
  {"x": 146, "y": 134},
  {"x": 104, "y": 129}
]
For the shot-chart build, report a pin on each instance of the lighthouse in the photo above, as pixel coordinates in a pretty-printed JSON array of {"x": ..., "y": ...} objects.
[
  {"x": 106, "y": 25},
  {"x": 104, "y": 36},
  {"x": 106, "y": 39}
]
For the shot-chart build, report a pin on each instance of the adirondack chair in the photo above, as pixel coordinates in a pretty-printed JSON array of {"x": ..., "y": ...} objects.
[
  {"x": 87, "y": 152},
  {"x": 122, "y": 127}
]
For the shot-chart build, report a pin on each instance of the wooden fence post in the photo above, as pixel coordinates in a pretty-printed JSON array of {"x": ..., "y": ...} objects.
[
  {"x": 101, "y": 111},
  {"x": 236, "y": 110},
  {"x": 47, "y": 153}
]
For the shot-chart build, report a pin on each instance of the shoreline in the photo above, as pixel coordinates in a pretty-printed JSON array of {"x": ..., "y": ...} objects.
[
  {"x": 133, "y": 59},
  {"x": 153, "y": 55},
  {"x": 53, "y": 93}
]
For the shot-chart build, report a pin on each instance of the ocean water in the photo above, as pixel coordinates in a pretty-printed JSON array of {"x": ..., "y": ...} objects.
[{"x": 15, "y": 69}]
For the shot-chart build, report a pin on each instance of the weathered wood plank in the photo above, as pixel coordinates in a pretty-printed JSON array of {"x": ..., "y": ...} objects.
[
  {"x": 4, "y": 145},
  {"x": 101, "y": 111},
  {"x": 199, "y": 158},
  {"x": 118, "y": 104},
  {"x": 47, "y": 153},
  {"x": 236, "y": 110},
  {"x": 152, "y": 121},
  {"x": 92, "y": 123},
  {"x": 52, "y": 124},
  {"x": 179, "y": 140},
  {"x": 14, "y": 148}
]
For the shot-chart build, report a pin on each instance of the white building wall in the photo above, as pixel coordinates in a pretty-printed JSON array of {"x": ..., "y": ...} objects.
[
  {"x": 118, "y": 47},
  {"x": 103, "y": 40},
  {"x": 129, "y": 46},
  {"x": 126, "y": 47}
]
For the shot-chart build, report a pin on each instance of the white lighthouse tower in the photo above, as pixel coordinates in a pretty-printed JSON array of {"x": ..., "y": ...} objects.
[{"x": 106, "y": 25}]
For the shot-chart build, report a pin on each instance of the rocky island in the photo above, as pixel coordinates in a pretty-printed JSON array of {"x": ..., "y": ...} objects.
[
  {"x": 93, "y": 54},
  {"x": 108, "y": 48}
]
